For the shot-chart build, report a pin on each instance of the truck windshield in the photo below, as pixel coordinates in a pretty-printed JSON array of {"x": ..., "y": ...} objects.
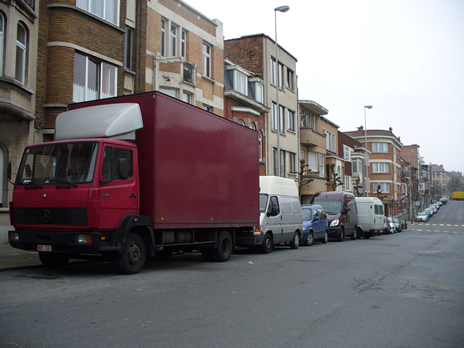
[
  {"x": 262, "y": 202},
  {"x": 330, "y": 206},
  {"x": 58, "y": 163}
]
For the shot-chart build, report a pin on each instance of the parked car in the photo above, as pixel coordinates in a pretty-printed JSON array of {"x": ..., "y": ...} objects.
[
  {"x": 429, "y": 212},
  {"x": 422, "y": 217},
  {"x": 315, "y": 226},
  {"x": 398, "y": 224},
  {"x": 433, "y": 207},
  {"x": 389, "y": 226}
]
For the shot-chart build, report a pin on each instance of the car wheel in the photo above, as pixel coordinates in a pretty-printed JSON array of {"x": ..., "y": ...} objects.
[
  {"x": 341, "y": 235},
  {"x": 326, "y": 237},
  {"x": 353, "y": 235},
  {"x": 310, "y": 240},
  {"x": 267, "y": 245},
  {"x": 295, "y": 241}
]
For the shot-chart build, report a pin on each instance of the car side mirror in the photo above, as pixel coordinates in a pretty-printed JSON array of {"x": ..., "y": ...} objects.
[{"x": 316, "y": 218}]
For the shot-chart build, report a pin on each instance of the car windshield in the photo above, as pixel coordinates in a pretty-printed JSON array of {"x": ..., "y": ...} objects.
[
  {"x": 307, "y": 214},
  {"x": 263, "y": 202},
  {"x": 55, "y": 163},
  {"x": 330, "y": 206}
]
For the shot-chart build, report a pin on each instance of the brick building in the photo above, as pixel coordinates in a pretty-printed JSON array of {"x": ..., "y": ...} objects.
[
  {"x": 384, "y": 165},
  {"x": 353, "y": 153},
  {"x": 257, "y": 53}
]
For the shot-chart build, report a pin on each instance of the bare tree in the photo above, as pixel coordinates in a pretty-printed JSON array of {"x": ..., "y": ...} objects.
[
  {"x": 304, "y": 177},
  {"x": 334, "y": 179}
]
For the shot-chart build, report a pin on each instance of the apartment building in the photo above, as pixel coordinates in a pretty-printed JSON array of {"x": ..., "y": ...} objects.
[
  {"x": 257, "y": 53},
  {"x": 335, "y": 165},
  {"x": 411, "y": 178},
  {"x": 384, "y": 165},
  {"x": 353, "y": 153},
  {"x": 185, "y": 54},
  {"x": 312, "y": 149},
  {"x": 244, "y": 103},
  {"x": 18, "y": 74},
  {"x": 440, "y": 180}
]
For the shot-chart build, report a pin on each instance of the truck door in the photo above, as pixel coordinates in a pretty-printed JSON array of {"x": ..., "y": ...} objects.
[{"x": 119, "y": 191}]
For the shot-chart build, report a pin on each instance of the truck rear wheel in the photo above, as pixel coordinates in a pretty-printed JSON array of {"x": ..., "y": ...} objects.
[
  {"x": 223, "y": 250},
  {"x": 133, "y": 255},
  {"x": 53, "y": 260}
]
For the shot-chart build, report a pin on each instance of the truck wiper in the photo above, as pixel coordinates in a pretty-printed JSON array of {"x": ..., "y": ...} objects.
[
  {"x": 65, "y": 182},
  {"x": 34, "y": 185}
]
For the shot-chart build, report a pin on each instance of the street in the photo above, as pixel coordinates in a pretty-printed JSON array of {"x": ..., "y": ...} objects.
[{"x": 400, "y": 290}]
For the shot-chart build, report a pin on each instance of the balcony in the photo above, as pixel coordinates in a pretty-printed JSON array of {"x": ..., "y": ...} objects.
[{"x": 310, "y": 137}]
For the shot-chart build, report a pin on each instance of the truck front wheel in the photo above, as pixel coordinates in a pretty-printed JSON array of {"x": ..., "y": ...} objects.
[
  {"x": 53, "y": 260},
  {"x": 133, "y": 255}
]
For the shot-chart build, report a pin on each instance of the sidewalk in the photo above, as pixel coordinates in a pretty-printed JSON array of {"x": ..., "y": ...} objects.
[{"x": 11, "y": 258}]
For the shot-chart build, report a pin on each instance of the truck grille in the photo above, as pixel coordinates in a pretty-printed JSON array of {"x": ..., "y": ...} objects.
[{"x": 50, "y": 216}]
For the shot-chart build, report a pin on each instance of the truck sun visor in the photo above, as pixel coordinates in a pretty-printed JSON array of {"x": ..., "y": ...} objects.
[{"x": 117, "y": 121}]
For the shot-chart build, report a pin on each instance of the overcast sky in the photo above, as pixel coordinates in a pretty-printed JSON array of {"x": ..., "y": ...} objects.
[{"x": 404, "y": 57}]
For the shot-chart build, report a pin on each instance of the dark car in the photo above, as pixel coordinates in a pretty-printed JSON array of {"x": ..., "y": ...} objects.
[{"x": 315, "y": 226}]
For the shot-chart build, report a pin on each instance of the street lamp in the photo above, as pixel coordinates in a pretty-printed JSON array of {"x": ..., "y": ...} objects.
[
  {"x": 367, "y": 184},
  {"x": 283, "y": 8}
]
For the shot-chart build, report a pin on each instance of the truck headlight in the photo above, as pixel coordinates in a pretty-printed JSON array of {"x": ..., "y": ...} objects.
[
  {"x": 334, "y": 222},
  {"x": 14, "y": 236},
  {"x": 84, "y": 239}
]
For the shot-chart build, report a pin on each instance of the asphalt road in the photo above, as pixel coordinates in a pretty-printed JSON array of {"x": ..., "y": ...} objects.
[{"x": 400, "y": 290}]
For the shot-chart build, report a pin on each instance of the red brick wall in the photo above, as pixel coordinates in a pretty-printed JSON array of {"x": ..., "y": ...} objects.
[{"x": 246, "y": 52}]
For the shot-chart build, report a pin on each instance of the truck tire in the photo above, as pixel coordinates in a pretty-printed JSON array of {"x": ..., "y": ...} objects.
[
  {"x": 224, "y": 247},
  {"x": 267, "y": 245},
  {"x": 53, "y": 260},
  {"x": 295, "y": 241},
  {"x": 133, "y": 255}
]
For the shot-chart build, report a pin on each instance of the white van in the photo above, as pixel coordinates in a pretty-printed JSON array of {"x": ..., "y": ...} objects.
[
  {"x": 371, "y": 216},
  {"x": 281, "y": 218}
]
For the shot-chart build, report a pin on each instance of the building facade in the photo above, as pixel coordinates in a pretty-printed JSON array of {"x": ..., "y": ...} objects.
[
  {"x": 353, "y": 153},
  {"x": 384, "y": 166},
  {"x": 257, "y": 53},
  {"x": 19, "y": 27}
]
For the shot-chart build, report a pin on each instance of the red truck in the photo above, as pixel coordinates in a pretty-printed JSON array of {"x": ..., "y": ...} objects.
[{"x": 134, "y": 176}]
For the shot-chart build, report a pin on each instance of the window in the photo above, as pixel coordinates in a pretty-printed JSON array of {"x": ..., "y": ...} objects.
[
  {"x": 308, "y": 120},
  {"x": 384, "y": 187},
  {"x": 187, "y": 97},
  {"x": 282, "y": 118},
  {"x": 321, "y": 165},
  {"x": 21, "y": 53},
  {"x": 183, "y": 44},
  {"x": 2, "y": 45},
  {"x": 380, "y": 147},
  {"x": 173, "y": 41},
  {"x": 290, "y": 79},
  {"x": 106, "y": 9},
  {"x": 347, "y": 183},
  {"x": 273, "y": 72},
  {"x": 380, "y": 167},
  {"x": 258, "y": 90},
  {"x": 189, "y": 72},
  {"x": 312, "y": 161},
  {"x": 206, "y": 60},
  {"x": 207, "y": 107},
  {"x": 293, "y": 168},
  {"x": 128, "y": 49},
  {"x": 117, "y": 164},
  {"x": 274, "y": 116},
  {"x": 346, "y": 153},
  {"x": 291, "y": 120},
  {"x": 163, "y": 37},
  {"x": 356, "y": 167},
  {"x": 330, "y": 141},
  {"x": 281, "y": 75},
  {"x": 283, "y": 163},
  {"x": 240, "y": 82},
  {"x": 169, "y": 91},
  {"x": 93, "y": 79}
]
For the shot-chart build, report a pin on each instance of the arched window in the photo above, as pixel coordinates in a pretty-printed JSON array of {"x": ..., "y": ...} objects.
[
  {"x": 21, "y": 53},
  {"x": 2, "y": 42}
]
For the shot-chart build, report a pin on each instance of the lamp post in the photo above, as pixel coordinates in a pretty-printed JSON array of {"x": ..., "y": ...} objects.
[
  {"x": 283, "y": 8},
  {"x": 367, "y": 184}
]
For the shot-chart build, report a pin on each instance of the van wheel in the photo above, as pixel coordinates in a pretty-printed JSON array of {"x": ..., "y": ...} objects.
[
  {"x": 354, "y": 234},
  {"x": 326, "y": 237},
  {"x": 341, "y": 235},
  {"x": 267, "y": 245},
  {"x": 295, "y": 241},
  {"x": 310, "y": 240}
]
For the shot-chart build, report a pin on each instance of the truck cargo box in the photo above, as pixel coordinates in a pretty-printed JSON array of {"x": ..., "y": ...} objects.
[{"x": 196, "y": 169}]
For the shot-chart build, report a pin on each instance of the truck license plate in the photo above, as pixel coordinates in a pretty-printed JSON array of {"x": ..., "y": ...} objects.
[{"x": 41, "y": 247}]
